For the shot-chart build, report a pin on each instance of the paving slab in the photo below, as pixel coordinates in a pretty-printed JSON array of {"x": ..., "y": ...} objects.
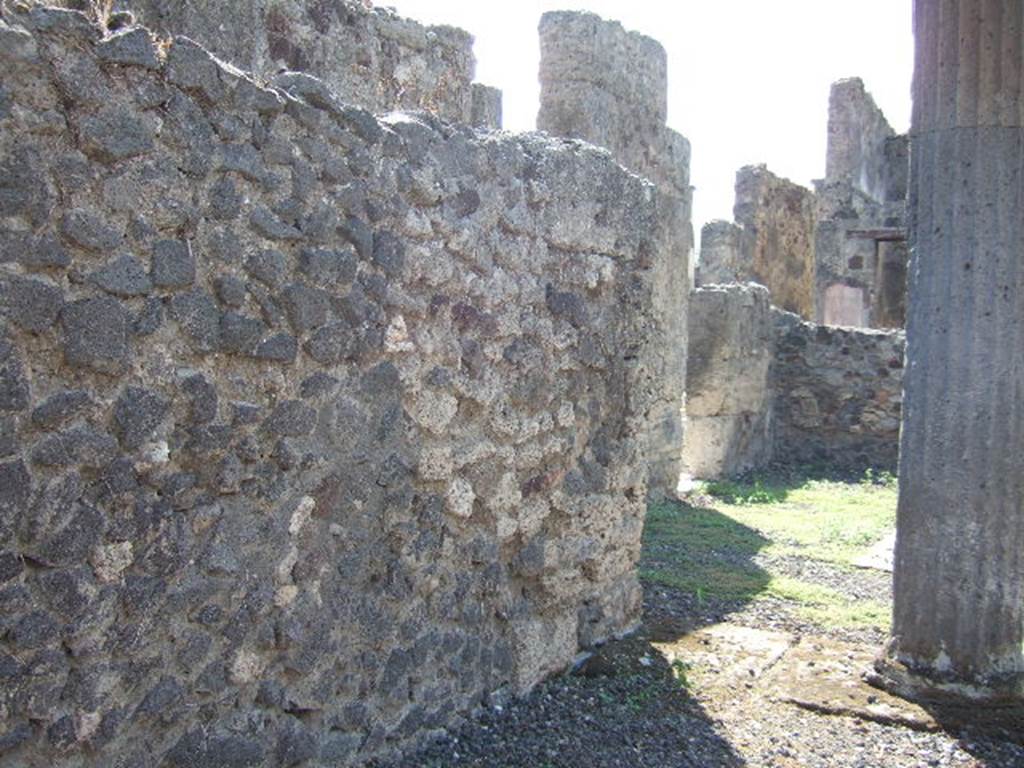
[
  {"x": 826, "y": 676},
  {"x": 727, "y": 655},
  {"x": 880, "y": 555}
]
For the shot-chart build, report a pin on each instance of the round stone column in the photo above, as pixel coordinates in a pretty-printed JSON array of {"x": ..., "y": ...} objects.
[{"x": 958, "y": 618}]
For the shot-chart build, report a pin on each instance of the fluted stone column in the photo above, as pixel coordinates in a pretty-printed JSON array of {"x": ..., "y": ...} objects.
[{"x": 958, "y": 619}]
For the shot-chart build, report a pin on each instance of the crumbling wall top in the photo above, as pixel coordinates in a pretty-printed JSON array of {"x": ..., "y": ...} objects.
[
  {"x": 857, "y": 136},
  {"x": 369, "y": 56},
  {"x": 721, "y": 258},
  {"x": 777, "y": 219},
  {"x": 583, "y": 47},
  {"x": 609, "y": 86}
]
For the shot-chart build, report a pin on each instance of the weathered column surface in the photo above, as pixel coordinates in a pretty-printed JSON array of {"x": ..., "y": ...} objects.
[{"x": 958, "y": 621}]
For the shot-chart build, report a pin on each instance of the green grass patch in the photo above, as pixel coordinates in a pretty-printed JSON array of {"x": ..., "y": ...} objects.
[
  {"x": 826, "y": 606},
  {"x": 708, "y": 551},
  {"x": 756, "y": 492},
  {"x": 825, "y": 520}
]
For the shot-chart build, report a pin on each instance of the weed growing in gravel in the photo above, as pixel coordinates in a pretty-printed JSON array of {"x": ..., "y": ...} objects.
[
  {"x": 880, "y": 477},
  {"x": 638, "y": 699},
  {"x": 680, "y": 669}
]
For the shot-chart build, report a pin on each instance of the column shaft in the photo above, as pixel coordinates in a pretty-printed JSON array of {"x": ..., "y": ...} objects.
[{"x": 958, "y": 619}]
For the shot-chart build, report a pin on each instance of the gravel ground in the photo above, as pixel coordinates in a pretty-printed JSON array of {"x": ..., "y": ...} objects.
[
  {"x": 625, "y": 706},
  {"x": 669, "y": 612},
  {"x": 860, "y": 583}
]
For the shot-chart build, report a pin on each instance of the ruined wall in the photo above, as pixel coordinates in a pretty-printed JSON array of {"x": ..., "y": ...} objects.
[
  {"x": 370, "y": 57},
  {"x": 728, "y": 401},
  {"x": 721, "y": 257},
  {"x": 764, "y": 387},
  {"x": 857, "y": 137},
  {"x": 864, "y": 190},
  {"x": 608, "y": 86},
  {"x": 315, "y": 428},
  {"x": 486, "y": 108},
  {"x": 777, "y": 219},
  {"x": 850, "y": 260},
  {"x": 837, "y": 394}
]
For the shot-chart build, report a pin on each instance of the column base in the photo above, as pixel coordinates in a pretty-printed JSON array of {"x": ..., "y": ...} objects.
[{"x": 917, "y": 685}]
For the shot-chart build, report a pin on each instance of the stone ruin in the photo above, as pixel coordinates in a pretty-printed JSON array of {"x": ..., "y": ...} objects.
[
  {"x": 610, "y": 87},
  {"x": 836, "y": 255},
  {"x": 766, "y": 387},
  {"x": 809, "y": 369},
  {"x": 860, "y": 239},
  {"x": 367, "y": 56},
  {"x": 319, "y": 424},
  {"x": 322, "y": 423}
]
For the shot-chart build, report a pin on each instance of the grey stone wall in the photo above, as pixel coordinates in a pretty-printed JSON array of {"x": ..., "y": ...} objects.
[
  {"x": 486, "y": 111},
  {"x": 370, "y": 57},
  {"x": 314, "y": 428},
  {"x": 776, "y": 218},
  {"x": 765, "y": 387},
  {"x": 721, "y": 257},
  {"x": 606, "y": 85},
  {"x": 728, "y": 399},
  {"x": 865, "y": 189},
  {"x": 858, "y": 135},
  {"x": 837, "y": 394}
]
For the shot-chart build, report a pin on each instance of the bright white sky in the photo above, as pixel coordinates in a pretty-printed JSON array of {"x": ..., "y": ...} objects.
[{"x": 748, "y": 79}]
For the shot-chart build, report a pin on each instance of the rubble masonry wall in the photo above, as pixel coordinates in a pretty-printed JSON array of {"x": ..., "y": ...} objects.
[
  {"x": 370, "y": 57},
  {"x": 315, "y": 428},
  {"x": 776, "y": 219},
  {"x": 728, "y": 400},
  {"x": 765, "y": 387},
  {"x": 837, "y": 394},
  {"x": 608, "y": 86}
]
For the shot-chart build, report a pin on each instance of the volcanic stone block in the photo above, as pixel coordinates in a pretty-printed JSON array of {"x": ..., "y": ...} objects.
[
  {"x": 96, "y": 334},
  {"x": 124, "y": 276}
]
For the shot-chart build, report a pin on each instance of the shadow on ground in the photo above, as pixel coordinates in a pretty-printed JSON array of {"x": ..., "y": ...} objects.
[
  {"x": 625, "y": 706},
  {"x": 706, "y": 558},
  {"x": 648, "y": 700},
  {"x": 994, "y": 737},
  {"x": 699, "y": 568}
]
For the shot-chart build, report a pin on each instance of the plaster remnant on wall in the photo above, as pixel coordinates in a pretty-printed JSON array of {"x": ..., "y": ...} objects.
[{"x": 728, "y": 403}]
